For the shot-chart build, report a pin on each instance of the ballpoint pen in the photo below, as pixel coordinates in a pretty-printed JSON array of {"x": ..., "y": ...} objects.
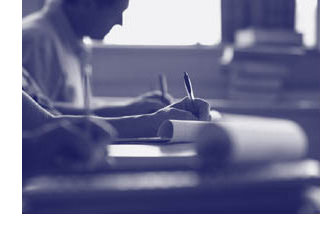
[{"x": 188, "y": 86}]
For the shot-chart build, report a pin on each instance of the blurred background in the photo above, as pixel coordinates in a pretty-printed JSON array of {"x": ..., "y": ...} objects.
[{"x": 250, "y": 50}]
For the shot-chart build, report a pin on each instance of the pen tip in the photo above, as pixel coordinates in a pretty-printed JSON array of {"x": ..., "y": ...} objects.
[{"x": 185, "y": 74}]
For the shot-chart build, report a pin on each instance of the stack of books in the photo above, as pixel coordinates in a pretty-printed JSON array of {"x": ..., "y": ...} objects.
[
  {"x": 263, "y": 73},
  {"x": 257, "y": 80},
  {"x": 275, "y": 37}
]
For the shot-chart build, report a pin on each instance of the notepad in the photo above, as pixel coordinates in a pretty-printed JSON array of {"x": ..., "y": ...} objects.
[
  {"x": 173, "y": 131},
  {"x": 250, "y": 138}
]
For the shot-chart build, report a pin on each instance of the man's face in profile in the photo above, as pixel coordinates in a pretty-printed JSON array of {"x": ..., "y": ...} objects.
[{"x": 103, "y": 18}]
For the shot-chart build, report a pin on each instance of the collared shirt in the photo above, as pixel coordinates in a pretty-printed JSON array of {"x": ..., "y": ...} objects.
[
  {"x": 33, "y": 90},
  {"x": 53, "y": 55}
]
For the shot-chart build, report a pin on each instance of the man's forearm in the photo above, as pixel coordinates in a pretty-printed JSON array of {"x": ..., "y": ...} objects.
[
  {"x": 113, "y": 111},
  {"x": 135, "y": 126},
  {"x": 33, "y": 115},
  {"x": 105, "y": 111}
]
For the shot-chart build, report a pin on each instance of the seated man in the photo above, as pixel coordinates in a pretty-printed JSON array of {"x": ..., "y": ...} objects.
[
  {"x": 143, "y": 125},
  {"x": 56, "y": 58},
  {"x": 55, "y": 141}
]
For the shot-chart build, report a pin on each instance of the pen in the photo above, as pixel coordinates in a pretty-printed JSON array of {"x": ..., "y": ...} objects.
[
  {"x": 188, "y": 86},
  {"x": 163, "y": 85}
]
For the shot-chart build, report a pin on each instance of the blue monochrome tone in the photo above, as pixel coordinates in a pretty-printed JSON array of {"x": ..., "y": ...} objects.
[{"x": 166, "y": 107}]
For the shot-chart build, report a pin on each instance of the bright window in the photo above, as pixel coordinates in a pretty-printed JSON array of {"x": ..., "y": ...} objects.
[
  {"x": 169, "y": 22},
  {"x": 306, "y": 20}
]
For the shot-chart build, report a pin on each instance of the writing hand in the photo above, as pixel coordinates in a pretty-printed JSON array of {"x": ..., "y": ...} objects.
[{"x": 199, "y": 108}]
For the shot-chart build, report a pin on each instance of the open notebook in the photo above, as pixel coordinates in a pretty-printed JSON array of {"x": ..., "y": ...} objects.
[{"x": 174, "y": 131}]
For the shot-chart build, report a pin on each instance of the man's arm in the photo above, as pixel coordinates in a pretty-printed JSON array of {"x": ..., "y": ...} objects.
[
  {"x": 104, "y": 111},
  {"x": 110, "y": 111},
  {"x": 33, "y": 115},
  {"x": 129, "y": 126},
  {"x": 147, "y": 125},
  {"x": 145, "y": 104}
]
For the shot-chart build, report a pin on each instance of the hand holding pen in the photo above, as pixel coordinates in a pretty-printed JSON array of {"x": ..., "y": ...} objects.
[{"x": 189, "y": 108}]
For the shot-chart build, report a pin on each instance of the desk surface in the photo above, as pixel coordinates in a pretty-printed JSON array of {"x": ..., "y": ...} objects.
[{"x": 272, "y": 188}]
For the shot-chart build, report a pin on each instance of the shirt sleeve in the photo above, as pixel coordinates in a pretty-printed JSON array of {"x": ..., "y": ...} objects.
[{"x": 40, "y": 59}]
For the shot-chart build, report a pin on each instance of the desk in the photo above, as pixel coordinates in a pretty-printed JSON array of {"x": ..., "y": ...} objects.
[{"x": 286, "y": 187}]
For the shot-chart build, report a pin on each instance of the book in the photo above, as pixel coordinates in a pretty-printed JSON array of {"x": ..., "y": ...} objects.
[
  {"x": 261, "y": 96},
  {"x": 258, "y": 68},
  {"x": 255, "y": 85},
  {"x": 250, "y": 37}
]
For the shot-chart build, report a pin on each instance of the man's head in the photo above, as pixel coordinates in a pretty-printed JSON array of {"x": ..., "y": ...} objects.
[{"x": 94, "y": 18}]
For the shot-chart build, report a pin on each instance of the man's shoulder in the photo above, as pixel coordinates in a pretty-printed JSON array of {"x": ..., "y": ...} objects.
[{"x": 36, "y": 26}]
